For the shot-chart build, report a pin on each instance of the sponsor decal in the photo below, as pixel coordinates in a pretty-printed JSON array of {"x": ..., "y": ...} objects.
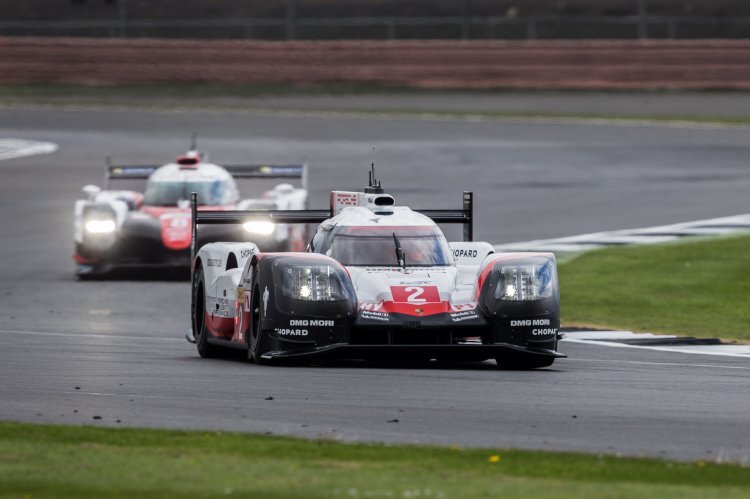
[
  {"x": 458, "y": 307},
  {"x": 213, "y": 262},
  {"x": 465, "y": 253},
  {"x": 376, "y": 316},
  {"x": 291, "y": 332},
  {"x": 463, "y": 316},
  {"x": 416, "y": 283},
  {"x": 222, "y": 305},
  {"x": 529, "y": 322},
  {"x": 415, "y": 294},
  {"x": 245, "y": 253},
  {"x": 240, "y": 296},
  {"x": 543, "y": 332},
  {"x": 370, "y": 306},
  {"x": 311, "y": 322},
  {"x": 246, "y": 300},
  {"x": 265, "y": 301}
]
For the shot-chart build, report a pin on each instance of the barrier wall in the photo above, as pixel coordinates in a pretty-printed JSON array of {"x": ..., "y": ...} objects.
[{"x": 710, "y": 64}]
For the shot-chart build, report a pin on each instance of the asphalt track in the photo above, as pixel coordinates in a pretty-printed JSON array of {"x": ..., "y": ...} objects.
[{"x": 112, "y": 352}]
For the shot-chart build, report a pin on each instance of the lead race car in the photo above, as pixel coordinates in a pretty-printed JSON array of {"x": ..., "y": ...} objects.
[
  {"x": 379, "y": 281},
  {"x": 117, "y": 229}
]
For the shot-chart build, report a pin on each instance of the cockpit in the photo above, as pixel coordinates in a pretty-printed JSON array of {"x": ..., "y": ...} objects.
[
  {"x": 211, "y": 192},
  {"x": 421, "y": 246}
]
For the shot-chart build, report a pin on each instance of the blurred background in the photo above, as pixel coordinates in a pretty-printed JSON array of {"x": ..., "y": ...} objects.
[{"x": 379, "y": 19}]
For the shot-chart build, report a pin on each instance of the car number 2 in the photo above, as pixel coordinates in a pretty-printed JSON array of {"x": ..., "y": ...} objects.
[{"x": 415, "y": 294}]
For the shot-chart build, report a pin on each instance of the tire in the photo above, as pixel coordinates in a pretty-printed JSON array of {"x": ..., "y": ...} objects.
[
  {"x": 200, "y": 331},
  {"x": 523, "y": 364},
  {"x": 257, "y": 340}
]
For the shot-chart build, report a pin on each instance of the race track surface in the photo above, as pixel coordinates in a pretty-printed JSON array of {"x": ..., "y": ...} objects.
[{"x": 113, "y": 352}]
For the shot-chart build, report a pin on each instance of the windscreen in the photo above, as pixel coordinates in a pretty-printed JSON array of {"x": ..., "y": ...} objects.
[
  {"x": 169, "y": 193},
  {"x": 376, "y": 246}
]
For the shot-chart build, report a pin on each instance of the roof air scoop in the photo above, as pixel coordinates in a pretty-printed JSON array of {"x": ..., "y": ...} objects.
[{"x": 189, "y": 161}]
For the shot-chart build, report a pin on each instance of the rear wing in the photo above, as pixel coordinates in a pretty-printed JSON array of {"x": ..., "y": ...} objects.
[
  {"x": 143, "y": 172},
  {"x": 269, "y": 171},
  {"x": 464, "y": 216},
  {"x": 128, "y": 172}
]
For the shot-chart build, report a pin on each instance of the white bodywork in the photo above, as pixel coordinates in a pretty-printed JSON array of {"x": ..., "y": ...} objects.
[
  {"x": 456, "y": 284},
  {"x": 221, "y": 284}
]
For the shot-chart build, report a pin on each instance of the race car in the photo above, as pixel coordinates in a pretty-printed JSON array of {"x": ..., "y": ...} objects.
[
  {"x": 377, "y": 282},
  {"x": 117, "y": 229}
]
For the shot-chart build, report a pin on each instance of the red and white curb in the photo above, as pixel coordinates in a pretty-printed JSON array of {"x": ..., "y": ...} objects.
[
  {"x": 18, "y": 148},
  {"x": 649, "y": 235},
  {"x": 658, "y": 342}
]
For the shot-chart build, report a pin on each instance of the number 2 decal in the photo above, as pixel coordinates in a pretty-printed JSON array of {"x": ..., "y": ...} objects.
[{"x": 415, "y": 295}]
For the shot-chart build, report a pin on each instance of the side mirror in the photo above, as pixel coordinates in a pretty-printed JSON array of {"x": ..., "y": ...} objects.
[{"x": 91, "y": 191}]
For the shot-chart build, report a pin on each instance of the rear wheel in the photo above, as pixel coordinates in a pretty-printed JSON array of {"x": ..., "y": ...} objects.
[
  {"x": 200, "y": 331},
  {"x": 522, "y": 364}
]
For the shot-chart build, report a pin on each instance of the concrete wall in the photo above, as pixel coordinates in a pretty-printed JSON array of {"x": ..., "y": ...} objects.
[{"x": 710, "y": 64}]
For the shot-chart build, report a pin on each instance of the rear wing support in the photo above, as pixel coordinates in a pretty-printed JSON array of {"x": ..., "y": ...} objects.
[{"x": 463, "y": 216}]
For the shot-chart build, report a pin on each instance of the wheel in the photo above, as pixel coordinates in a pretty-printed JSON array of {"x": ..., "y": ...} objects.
[
  {"x": 256, "y": 337},
  {"x": 524, "y": 363},
  {"x": 200, "y": 332}
]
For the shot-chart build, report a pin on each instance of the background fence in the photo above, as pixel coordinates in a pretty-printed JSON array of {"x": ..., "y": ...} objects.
[
  {"x": 395, "y": 28},
  {"x": 423, "y": 64}
]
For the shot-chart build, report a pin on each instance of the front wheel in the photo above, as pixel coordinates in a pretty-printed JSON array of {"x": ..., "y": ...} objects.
[
  {"x": 200, "y": 331},
  {"x": 522, "y": 364},
  {"x": 257, "y": 338}
]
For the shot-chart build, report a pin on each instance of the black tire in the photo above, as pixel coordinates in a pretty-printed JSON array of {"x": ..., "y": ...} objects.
[
  {"x": 523, "y": 364},
  {"x": 256, "y": 339},
  {"x": 200, "y": 332}
]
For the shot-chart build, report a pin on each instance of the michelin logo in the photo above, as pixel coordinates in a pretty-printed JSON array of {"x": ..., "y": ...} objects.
[{"x": 463, "y": 316}]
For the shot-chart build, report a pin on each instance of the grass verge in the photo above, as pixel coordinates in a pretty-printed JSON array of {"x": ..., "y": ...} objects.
[
  {"x": 67, "y": 461},
  {"x": 699, "y": 288}
]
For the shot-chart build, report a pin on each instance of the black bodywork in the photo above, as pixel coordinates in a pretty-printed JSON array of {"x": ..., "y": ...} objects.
[{"x": 297, "y": 329}]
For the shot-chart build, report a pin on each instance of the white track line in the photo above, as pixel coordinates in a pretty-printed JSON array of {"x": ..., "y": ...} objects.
[
  {"x": 648, "y": 235},
  {"x": 609, "y": 339},
  {"x": 18, "y": 148}
]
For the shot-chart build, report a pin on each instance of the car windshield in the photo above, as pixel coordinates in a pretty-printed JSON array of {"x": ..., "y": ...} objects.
[
  {"x": 375, "y": 246},
  {"x": 169, "y": 193}
]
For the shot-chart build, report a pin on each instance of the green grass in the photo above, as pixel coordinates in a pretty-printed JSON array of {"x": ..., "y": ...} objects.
[
  {"x": 698, "y": 288},
  {"x": 67, "y": 461},
  {"x": 222, "y": 98}
]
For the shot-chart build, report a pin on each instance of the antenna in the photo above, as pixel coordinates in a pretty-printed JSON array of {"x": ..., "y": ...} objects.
[
  {"x": 373, "y": 185},
  {"x": 194, "y": 141}
]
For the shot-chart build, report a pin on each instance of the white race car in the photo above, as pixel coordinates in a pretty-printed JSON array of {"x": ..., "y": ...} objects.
[
  {"x": 379, "y": 281},
  {"x": 125, "y": 228}
]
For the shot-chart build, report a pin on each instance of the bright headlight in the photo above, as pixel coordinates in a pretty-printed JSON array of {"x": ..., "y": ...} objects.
[
  {"x": 313, "y": 283},
  {"x": 526, "y": 282},
  {"x": 263, "y": 228},
  {"x": 100, "y": 226}
]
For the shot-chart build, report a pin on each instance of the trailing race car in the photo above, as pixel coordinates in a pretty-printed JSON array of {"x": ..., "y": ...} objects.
[
  {"x": 123, "y": 228},
  {"x": 379, "y": 281}
]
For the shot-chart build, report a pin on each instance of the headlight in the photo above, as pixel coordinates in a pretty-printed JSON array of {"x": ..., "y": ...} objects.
[
  {"x": 526, "y": 282},
  {"x": 264, "y": 228},
  {"x": 313, "y": 283},
  {"x": 100, "y": 226}
]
